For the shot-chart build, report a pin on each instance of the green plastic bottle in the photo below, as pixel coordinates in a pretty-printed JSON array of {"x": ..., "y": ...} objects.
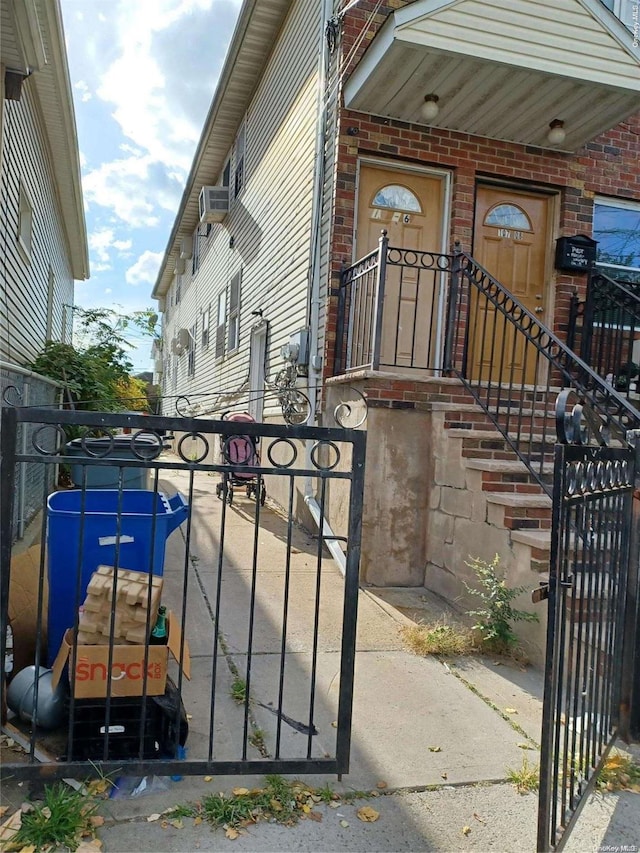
[{"x": 160, "y": 632}]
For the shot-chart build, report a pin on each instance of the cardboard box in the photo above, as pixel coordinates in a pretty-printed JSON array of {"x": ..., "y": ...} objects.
[
  {"x": 126, "y": 669},
  {"x": 23, "y": 607}
]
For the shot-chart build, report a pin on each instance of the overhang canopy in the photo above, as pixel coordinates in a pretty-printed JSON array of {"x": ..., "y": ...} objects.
[{"x": 504, "y": 71}]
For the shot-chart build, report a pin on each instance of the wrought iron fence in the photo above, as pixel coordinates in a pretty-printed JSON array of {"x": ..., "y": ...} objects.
[
  {"x": 593, "y": 598},
  {"x": 510, "y": 362},
  {"x": 146, "y": 525},
  {"x": 605, "y": 330}
]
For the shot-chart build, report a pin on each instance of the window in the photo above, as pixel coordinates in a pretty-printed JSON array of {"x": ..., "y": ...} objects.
[
  {"x": 238, "y": 156},
  {"x": 508, "y": 216},
  {"x": 191, "y": 361},
  {"x": 628, "y": 11},
  {"x": 234, "y": 312},
  {"x": 395, "y": 197},
  {"x": 206, "y": 316},
  {"x": 195, "y": 258},
  {"x": 25, "y": 221},
  {"x": 178, "y": 289},
  {"x": 616, "y": 227},
  {"x": 221, "y": 323},
  {"x": 228, "y": 317},
  {"x": 51, "y": 289}
]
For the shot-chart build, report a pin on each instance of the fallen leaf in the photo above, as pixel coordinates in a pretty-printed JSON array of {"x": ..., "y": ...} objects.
[
  {"x": 275, "y": 805},
  {"x": 525, "y": 746},
  {"x": 164, "y": 824},
  {"x": 10, "y": 827},
  {"x": 189, "y": 716},
  {"x": 478, "y": 818},
  {"x": 3, "y": 809},
  {"x": 306, "y": 809},
  {"x": 435, "y": 749},
  {"x": 46, "y": 812},
  {"x": 317, "y": 816},
  {"x": 152, "y": 817},
  {"x": 239, "y": 792},
  {"x": 367, "y": 814},
  {"x": 334, "y": 804},
  {"x": 335, "y": 724},
  {"x": 381, "y": 785},
  {"x": 93, "y": 846},
  {"x": 344, "y": 824},
  {"x": 29, "y": 849},
  {"x": 232, "y": 833},
  {"x": 510, "y": 711},
  {"x": 208, "y": 778},
  {"x": 96, "y": 820},
  {"x": 444, "y": 775},
  {"x": 466, "y": 830},
  {"x": 177, "y": 823},
  {"x": 97, "y": 786},
  {"x": 197, "y": 821}
]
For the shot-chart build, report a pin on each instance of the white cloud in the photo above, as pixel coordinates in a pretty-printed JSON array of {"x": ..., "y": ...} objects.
[
  {"x": 104, "y": 246},
  {"x": 83, "y": 89},
  {"x": 108, "y": 290},
  {"x": 145, "y": 268}
]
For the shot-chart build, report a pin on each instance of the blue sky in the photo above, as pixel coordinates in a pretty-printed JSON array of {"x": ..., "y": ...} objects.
[{"x": 143, "y": 74}]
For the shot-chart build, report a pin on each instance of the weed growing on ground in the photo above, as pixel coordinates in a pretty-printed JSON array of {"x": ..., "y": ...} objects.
[
  {"x": 326, "y": 793},
  {"x": 494, "y": 618},
  {"x": 619, "y": 772},
  {"x": 438, "y": 639},
  {"x": 238, "y": 691},
  {"x": 256, "y": 739},
  {"x": 61, "y": 820},
  {"x": 526, "y": 779}
]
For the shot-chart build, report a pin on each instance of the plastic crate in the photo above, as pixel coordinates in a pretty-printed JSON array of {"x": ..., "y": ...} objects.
[{"x": 93, "y": 527}]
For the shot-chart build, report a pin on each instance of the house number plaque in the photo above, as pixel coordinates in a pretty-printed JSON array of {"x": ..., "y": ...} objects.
[{"x": 509, "y": 234}]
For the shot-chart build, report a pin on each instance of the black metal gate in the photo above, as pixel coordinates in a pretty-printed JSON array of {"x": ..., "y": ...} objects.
[
  {"x": 593, "y": 601},
  {"x": 271, "y": 664}
]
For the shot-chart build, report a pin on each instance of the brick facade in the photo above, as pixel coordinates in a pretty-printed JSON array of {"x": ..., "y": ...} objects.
[{"x": 608, "y": 166}]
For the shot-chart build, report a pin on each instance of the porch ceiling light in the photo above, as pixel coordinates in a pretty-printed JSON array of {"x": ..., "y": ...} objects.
[
  {"x": 430, "y": 109},
  {"x": 556, "y": 134}
]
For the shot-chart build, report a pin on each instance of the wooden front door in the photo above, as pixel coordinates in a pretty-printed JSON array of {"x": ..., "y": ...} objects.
[
  {"x": 409, "y": 206},
  {"x": 510, "y": 241}
]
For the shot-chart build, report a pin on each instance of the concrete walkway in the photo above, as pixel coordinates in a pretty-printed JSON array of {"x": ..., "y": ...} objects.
[{"x": 441, "y": 738}]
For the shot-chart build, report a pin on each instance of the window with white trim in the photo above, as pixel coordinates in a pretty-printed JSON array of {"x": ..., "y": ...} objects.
[
  {"x": 234, "y": 312},
  {"x": 221, "y": 323},
  {"x": 25, "y": 221},
  {"x": 238, "y": 159},
  {"x": 191, "y": 361},
  {"x": 616, "y": 227},
  {"x": 206, "y": 318}
]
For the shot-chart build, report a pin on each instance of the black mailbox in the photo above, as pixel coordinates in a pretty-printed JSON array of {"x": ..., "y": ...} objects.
[{"x": 575, "y": 254}]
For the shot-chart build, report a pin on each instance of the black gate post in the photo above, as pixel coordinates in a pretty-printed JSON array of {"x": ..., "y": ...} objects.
[
  {"x": 8, "y": 438},
  {"x": 630, "y": 699}
]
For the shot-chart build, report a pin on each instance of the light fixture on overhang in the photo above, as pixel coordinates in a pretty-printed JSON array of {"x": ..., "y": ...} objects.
[
  {"x": 430, "y": 109},
  {"x": 556, "y": 134}
]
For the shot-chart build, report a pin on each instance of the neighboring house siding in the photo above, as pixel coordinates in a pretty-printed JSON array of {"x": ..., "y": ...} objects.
[
  {"x": 41, "y": 280},
  {"x": 270, "y": 223}
]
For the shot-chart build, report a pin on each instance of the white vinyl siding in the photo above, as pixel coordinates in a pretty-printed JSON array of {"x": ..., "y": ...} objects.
[
  {"x": 558, "y": 37},
  {"x": 28, "y": 315},
  {"x": 267, "y": 233}
]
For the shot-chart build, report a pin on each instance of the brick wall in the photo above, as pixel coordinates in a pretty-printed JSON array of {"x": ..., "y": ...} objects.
[{"x": 609, "y": 166}]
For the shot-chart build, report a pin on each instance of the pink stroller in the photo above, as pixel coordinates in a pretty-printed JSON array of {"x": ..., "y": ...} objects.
[{"x": 241, "y": 450}]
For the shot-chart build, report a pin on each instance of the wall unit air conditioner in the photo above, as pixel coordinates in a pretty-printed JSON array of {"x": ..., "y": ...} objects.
[
  {"x": 186, "y": 248},
  {"x": 213, "y": 203},
  {"x": 184, "y": 338},
  {"x": 179, "y": 267},
  {"x": 176, "y": 347}
]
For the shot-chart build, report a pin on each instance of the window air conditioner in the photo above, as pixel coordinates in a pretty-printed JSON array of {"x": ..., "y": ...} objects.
[
  {"x": 213, "y": 203},
  {"x": 184, "y": 339},
  {"x": 176, "y": 347},
  {"x": 179, "y": 267},
  {"x": 186, "y": 248}
]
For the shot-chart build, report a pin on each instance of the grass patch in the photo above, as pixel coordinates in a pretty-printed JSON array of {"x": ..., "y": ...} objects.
[
  {"x": 619, "y": 773},
  {"x": 238, "y": 691},
  {"x": 278, "y": 800},
  {"x": 63, "y": 819},
  {"x": 439, "y": 639},
  {"x": 526, "y": 779}
]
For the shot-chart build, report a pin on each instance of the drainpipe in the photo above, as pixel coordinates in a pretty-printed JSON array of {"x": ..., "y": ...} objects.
[{"x": 315, "y": 253}]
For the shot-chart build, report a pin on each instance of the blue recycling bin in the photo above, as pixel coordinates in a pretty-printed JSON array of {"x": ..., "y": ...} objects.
[{"x": 135, "y": 523}]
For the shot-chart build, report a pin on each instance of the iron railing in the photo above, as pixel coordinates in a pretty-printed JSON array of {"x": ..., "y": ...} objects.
[
  {"x": 512, "y": 364},
  {"x": 253, "y": 613},
  {"x": 605, "y": 330}
]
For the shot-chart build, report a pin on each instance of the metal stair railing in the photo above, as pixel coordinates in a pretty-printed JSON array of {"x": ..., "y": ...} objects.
[
  {"x": 610, "y": 324},
  {"x": 514, "y": 367}
]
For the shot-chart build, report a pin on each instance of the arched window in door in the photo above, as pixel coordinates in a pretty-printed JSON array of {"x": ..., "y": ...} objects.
[
  {"x": 397, "y": 197},
  {"x": 508, "y": 216}
]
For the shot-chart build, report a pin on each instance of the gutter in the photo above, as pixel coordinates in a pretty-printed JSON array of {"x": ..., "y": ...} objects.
[{"x": 326, "y": 533}]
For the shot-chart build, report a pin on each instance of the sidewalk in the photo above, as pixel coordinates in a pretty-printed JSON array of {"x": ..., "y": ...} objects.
[{"x": 434, "y": 734}]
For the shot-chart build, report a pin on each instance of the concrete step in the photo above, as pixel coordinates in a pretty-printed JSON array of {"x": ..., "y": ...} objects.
[
  {"x": 519, "y": 512},
  {"x": 507, "y": 475}
]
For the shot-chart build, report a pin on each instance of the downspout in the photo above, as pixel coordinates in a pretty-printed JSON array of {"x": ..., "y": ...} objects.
[{"x": 326, "y": 534}]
